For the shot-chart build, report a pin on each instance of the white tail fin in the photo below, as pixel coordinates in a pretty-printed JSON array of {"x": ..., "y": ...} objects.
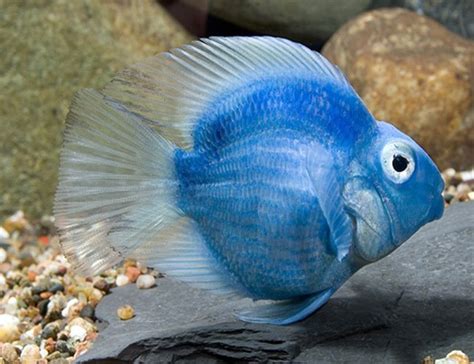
[{"x": 116, "y": 178}]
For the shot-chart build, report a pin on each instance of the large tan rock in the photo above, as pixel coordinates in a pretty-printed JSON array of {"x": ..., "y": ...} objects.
[
  {"x": 413, "y": 72},
  {"x": 49, "y": 50}
]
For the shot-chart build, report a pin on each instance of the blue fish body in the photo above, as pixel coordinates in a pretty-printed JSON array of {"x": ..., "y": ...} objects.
[
  {"x": 272, "y": 184},
  {"x": 248, "y": 188}
]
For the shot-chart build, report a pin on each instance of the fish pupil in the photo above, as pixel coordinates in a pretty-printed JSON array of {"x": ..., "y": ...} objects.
[{"x": 399, "y": 163}]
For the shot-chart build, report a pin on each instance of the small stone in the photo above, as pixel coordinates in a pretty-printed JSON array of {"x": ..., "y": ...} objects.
[
  {"x": 132, "y": 273},
  {"x": 64, "y": 347},
  {"x": 95, "y": 296},
  {"x": 5, "y": 267},
  {"x": 66, "y": 311},
  {"x": 8, "y": 328},
  {"x": 26, "y": 259},
  {"x": 31, "y": 275},
  {"x": 12, "y": 306},
  {"x": 77, "y": 333},
  {"x": 37, "y": 319},
  {"x": 30, "y": 352},
  {"x": 56, "y": 287},
  {"x": 31, "y": 334},
  {"x": 448, "y": 197},
  {"x": 452, "y": 190},
  {"x": 54, "y": 355},
  {"x": 59, "y": 361},
  {"x": 121, "y": 280},
  {"x": 129, "y": 263},
  {"x": 110, "y": 273},
  {"x": 3, "y": 280},
  {"x": 125, "y": 312},
  {"x": 40, "y": 287},
  {"x": 471, "y": 195},
  {"x": 463, "y": 197},
  {"x": 82, "y": 297},
  {"x": 146, "y": 281},
  {"x": 29, "y": 312},
  {"x": 6, "y": 319},
  {"x": 102, "y": 285},
  {"x": 35, "y": 298},
  {"x": 51, "y": 330},
  {"x": 45, "y": 295},
  {"x": 49, "y": 346},
  {"x": 467, "y": 176},
  {"x": 463, "y": 188},
  {"x": 8, "y": 353},
  {"x": 62, "y": 270},
  {"x": 51, "y": 269},
  {"x": 4, "y": 235},
  {"x": 446, "y": 361},
  {"x": 459, "y": 356},
  {"x": 3, "y": 255},
  {"x": 43, "y": 307},
  {"x": 9, "y": 333},
  {"x": 450, "y": 172},
  {"x": 456, "y": 179},
  {"x": 16, "y": 222},
  {"x": 79, "y": 328},
  {"x": 87, "y": 312}
]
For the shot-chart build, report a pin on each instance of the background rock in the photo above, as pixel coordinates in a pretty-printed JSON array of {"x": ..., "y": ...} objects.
[
  {"x": 308, "y": 21},
  {"x": 456, "y": 15},
  {"x": 414, "y": 73},
  {"x": 416, "y": 302},
  {"x": 50, "y": 49}
]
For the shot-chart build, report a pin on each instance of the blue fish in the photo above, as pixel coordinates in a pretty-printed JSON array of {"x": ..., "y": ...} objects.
[{"x": 247, "y": 166}]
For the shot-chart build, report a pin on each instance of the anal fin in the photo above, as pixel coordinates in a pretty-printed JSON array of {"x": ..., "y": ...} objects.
[
  {"x": 286, "y": 312},
  {"x": 183, "y": 254}
]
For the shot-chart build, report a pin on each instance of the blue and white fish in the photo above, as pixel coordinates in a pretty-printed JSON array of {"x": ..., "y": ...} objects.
[{"x": 247, "y": 166}]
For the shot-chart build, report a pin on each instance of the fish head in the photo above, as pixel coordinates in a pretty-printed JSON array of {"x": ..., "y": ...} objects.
[{"x": 393, "y": 189}]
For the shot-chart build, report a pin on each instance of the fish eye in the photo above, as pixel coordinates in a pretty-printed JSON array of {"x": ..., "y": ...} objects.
[{"x": 397, "y": 161}]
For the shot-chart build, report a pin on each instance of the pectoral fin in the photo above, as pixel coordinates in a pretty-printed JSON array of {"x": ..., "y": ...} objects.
[
  {"x": 327, "y": 188},
  {"x": 286, "y": 312}
]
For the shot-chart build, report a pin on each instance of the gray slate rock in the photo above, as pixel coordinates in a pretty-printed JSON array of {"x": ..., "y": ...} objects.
[
  {"x": 416, "y": 302},
  {"x": 456, "y": 15},
  {"x": 307, "y": 21}
]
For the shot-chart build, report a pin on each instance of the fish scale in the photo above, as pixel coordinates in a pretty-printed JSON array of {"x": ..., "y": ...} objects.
[
  {"x": 282, "y": 105},
  {"x": 287, "y": 241}
]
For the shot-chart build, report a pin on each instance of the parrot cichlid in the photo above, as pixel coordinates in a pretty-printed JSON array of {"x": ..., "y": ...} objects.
[{"x": 247, "y": 166}]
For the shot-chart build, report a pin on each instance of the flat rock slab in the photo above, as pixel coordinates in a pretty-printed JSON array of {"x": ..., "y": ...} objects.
[{"x": 416, "y": 302}]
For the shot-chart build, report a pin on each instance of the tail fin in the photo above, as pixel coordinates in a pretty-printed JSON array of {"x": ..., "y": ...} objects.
[{"x": 116, "y": 178}]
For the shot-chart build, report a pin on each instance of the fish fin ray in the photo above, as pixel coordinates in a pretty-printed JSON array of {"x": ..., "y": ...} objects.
[
  {"x": 328, "y": 191},
  {"x": 286, "y": 312},
  {"x": 196, "y": 267},
  {"x": 124, "y": 184},
  {"x": 173, "y": 89}
]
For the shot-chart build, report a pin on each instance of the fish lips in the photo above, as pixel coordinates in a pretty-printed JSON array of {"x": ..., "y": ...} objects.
[{"x": 372, "y": 221}]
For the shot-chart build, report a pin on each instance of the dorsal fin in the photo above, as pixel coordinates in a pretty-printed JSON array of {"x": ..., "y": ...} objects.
[{"x": 171, "y": 90}]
